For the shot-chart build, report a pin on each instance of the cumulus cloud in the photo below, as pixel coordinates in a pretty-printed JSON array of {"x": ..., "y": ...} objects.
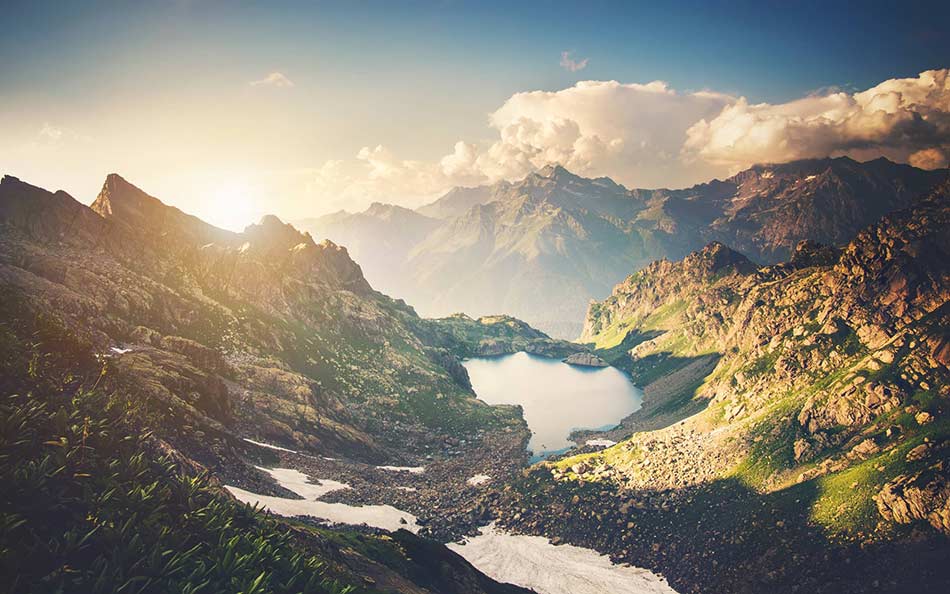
[
  {"x": 651, "y": 135},
  {"x": 570, "y": 64},
  {"x": 898, "y": 118},
  {"x": 631, "y": 132},
  {"x": 274, "y": 79}
]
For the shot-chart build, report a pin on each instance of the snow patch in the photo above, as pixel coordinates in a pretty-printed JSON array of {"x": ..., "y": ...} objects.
[
  {"x": 810, "y": 177},
  {"x": 269, "y": 446},
  {"x": 120, "y": 351},
  {"x": 478, "y": 479},
  {"x": 767, "y": 175},
  {"x": 412, "y": 469},
  {"x": 601, "y": 443},
  {"x": 533, "y": 562},
  {"x": 386, "y": 517}
]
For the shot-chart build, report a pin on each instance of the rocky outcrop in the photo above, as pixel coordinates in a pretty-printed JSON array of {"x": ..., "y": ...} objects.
[
  {"x": 490, "y": 336},
  {"x": 585, "y": 360},
  {"x": 921, "y": 497}
]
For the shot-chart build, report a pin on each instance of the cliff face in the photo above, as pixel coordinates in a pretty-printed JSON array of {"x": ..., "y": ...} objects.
[{"x": 765, "y": 211}]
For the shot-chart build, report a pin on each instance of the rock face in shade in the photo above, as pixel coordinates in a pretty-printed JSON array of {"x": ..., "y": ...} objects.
[{"x": 585, "y": 360}]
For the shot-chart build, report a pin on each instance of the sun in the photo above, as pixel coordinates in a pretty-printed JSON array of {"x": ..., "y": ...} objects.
[{"x": 232, "y": 206}]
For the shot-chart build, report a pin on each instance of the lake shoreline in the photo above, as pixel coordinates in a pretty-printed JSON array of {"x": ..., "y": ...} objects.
[{"x": 559, "y": 400}]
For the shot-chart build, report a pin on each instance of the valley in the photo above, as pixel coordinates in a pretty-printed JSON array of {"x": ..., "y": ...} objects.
[
  {"x": 266, "y": 361},
  {"x": 467, "y": 297}
]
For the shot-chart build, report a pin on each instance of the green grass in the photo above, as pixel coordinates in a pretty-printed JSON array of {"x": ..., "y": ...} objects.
[
  {"x": 772, "y": 448},
  {"x": 87, "y": 507},
  {"x": 845, "y": 504},
  {"x": 662, "y": 318}
]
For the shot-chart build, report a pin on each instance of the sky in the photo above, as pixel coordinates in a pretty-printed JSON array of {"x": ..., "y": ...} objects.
[{"x": 230, "y": 110}]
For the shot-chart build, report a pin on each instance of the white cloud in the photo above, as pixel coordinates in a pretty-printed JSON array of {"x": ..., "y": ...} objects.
[
  {"x": 897, "y": 118},
  {"x": 650, "y": 135},
  {"x": 376, "y": 175},
  {"x": 631, "y": 132},
  {"x": 570, "y": 64},
  {"x": 51, "y": 134},
  {"x": 274, "y": 79},
  {"x": 55, "y": 137}
]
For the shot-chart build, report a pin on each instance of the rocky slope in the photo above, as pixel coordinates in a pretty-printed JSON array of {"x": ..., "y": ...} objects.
[
  {"x": 795, "y": 430},
  {"x": 541, "y": 248},
  {"x": 95, "y": 499},
  {"x": 765, "y": 211},
  {"x": 205, "y": 338}
]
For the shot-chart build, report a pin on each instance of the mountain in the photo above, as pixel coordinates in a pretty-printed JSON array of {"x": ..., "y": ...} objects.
[
  {"x": 148, "y": 358},
  {"x": 458, "y": 201},
  {"x": 537, "y": 252},
  {"x": 263, "y": 332},
  {"x": 795, "y": 427},
  {"x": 540, "y": 249},
  {"x": 765, "y": 211},
  {"x": 380, "y": 238}
]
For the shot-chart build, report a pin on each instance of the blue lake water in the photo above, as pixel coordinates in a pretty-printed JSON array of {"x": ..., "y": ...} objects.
[{"x": 557, "y": 398}]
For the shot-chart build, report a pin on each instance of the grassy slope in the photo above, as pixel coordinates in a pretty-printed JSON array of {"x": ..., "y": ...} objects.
[{"x": 93, "y": 501}]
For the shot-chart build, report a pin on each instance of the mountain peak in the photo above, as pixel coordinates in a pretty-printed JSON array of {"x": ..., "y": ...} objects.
[
  {"x": 127, "y": 204},
  {"x": 715, "y": 257},
  {"x": 554, "y": 171},
  {"x": 271, "y": 232},
  {"x": 270, "y": 220},
  {"x": 121, "y": 199}
]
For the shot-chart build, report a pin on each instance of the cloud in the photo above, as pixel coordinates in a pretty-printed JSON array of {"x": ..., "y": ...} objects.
[
  {"x": 377, "y": 175},
  {"x": 897, "y": 118},
  {"x": 632, "y": 132},
  {"x": 51, "y": 134},
  {"x": 651, "y": 135},
  {"x": 931, "y": 158},
  {"x": 568, "y": 63},
  {"x": 55, "y": 137},
  {"x": 274, "y": 79}
]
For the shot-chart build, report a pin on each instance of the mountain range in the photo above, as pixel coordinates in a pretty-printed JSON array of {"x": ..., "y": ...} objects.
[{"x": 541, "y": 248}]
